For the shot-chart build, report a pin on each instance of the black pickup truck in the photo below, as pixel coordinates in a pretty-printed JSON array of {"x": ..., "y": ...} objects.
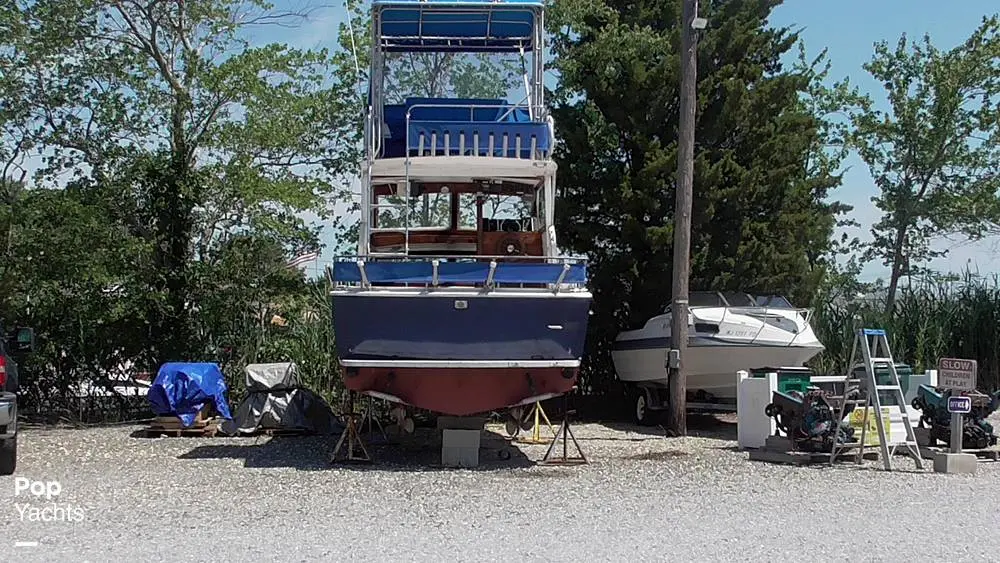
[{"x": 12, "y": 345}]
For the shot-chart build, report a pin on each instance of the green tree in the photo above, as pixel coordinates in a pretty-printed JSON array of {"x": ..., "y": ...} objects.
[
  {"x": 206, "y": 135},
  {"x": 74, "y": 276},
  {"x": 761, "y": 220},
  {"x": 935, "y": 151}
]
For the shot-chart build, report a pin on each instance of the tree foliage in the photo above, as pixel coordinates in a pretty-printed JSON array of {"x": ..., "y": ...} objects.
[
  {"x": 935, "y": 150},
  {"x": 155, "y": 164},
  {"x": 763, "y": 169},
  {"x": 173, "y": 161},
  {"x": 206, "y": 135}
]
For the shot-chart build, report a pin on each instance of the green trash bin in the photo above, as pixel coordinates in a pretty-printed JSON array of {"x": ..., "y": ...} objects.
[{"x": 789, "y": 379}]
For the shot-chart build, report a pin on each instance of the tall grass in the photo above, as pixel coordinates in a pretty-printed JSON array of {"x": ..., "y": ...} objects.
[
  {"x": 932, "y": 319},
  {"x": 305, "y": 338}
]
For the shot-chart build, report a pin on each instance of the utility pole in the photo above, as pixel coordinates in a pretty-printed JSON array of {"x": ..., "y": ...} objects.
[{"x": 677, "y": 413}]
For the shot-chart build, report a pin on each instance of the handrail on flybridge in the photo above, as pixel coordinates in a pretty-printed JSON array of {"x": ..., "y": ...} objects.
[{"x": 432, "y": 272}]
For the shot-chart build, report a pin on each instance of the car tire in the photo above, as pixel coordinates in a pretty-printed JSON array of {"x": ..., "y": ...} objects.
[{"x": 8, "y": 455}]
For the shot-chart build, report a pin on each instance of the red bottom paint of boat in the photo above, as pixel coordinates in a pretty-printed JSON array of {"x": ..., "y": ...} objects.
[{"x": 460, "y": 391}]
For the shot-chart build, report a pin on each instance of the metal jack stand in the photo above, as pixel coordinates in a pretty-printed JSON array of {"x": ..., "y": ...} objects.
[
  {"x": 538, "y": 413},
  {"x": 373, "y": 421},
  {"x": 565, "y": 432},
  {"x": 352, "y": 437}
]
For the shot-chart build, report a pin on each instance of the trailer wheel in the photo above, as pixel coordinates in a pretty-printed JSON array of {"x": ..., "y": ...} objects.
[{"x": 641, "y": 413}]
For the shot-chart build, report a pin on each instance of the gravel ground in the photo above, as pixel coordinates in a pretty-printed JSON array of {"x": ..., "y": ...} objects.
[{"x": 643, "y": 497}]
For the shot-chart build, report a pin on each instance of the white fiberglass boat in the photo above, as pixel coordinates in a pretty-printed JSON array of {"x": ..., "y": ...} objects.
[{"x": 727, "y": 332}]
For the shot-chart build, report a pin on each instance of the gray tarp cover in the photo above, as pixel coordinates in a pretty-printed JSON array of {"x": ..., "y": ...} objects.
[{"x": 276, "y": 401}]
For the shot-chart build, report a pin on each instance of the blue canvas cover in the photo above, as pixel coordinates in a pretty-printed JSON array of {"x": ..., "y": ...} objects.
[
  {"x": 457, "y": 272},
  {"x": 182, "y": 389},
  {"x": 456, "y": 25},
  {"x": 460, "y": 121}
]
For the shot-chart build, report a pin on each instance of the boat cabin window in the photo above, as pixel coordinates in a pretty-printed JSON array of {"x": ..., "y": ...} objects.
[
  {"x": 446, "y": 222},
  {"x": 503, "y": 212},
  {"x": 427, "y": 211}
]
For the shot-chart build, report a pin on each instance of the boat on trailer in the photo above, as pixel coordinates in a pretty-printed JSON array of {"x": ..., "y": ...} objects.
[
  {"x": 459, "y": 301},
  {"x": 727, "y": 332}
]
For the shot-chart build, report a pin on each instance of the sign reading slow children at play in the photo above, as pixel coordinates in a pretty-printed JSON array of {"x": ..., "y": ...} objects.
[{"x": 957, "y": 374}]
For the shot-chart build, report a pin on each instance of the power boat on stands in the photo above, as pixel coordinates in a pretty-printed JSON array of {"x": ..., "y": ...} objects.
[
  {"x": 727, "y": 332},
  {"x": 458, "y": 301}
]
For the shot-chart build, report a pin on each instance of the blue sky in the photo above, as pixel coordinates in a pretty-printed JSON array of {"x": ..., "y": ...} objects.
[{"x": 848, "y": 28}]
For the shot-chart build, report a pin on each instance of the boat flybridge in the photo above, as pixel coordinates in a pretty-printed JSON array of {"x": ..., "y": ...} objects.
[
  {"x": 728, "y": 332},
  {"x": 458, "y": 301}
]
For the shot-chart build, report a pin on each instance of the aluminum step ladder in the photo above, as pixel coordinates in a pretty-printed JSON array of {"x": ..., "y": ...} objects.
[{"x": 875, "y": 351}]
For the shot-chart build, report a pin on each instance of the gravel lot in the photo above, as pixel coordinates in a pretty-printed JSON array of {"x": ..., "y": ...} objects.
[{"x": 642, "y": 498}]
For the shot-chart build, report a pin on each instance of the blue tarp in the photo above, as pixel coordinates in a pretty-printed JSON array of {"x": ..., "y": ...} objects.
[
  {"x": 457, "y": 272},
  {"x": 182, "y": 389},
  {"x": 456, "y": 25}
]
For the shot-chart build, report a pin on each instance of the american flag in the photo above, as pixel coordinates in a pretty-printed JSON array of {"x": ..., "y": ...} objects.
[{"x": 302, "y": 259}]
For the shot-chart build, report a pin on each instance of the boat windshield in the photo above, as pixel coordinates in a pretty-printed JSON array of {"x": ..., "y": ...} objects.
[
  {"x": 705, "y": 299},
  {"x": 736, "y": 299},
  {"x": 701, "y": 299},
  {"x": 776, "y": 301}
]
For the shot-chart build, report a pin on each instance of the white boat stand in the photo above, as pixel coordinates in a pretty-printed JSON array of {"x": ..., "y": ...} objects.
[{"x": 461, "y": 437}]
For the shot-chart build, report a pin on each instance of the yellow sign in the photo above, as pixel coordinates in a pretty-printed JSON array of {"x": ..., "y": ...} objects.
[{"x": 871, "y": 433}]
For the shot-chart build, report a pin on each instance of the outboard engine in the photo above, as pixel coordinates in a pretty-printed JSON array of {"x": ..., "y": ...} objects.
[
  {"x": 977, "y": 433},
  {"x": 808, "y": 420}
]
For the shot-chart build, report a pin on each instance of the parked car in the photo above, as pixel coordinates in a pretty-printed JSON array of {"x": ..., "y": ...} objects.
[{"x": 13, "y": 345}]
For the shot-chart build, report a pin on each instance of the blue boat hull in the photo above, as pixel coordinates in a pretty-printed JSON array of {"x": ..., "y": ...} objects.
[{"x": 369, "y": 326}]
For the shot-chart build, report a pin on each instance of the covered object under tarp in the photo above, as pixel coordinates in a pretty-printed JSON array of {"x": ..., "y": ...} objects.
[
  {"x": 276, "y": 400},
  {"x": 183, "y": 389}
]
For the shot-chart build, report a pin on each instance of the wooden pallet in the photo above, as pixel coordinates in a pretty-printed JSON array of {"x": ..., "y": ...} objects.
[
  {"x": 172, "y": 426},
  {"x": 283, "y": 431},
  {"x": 779, "y": 449},
  {"x": 929, "y": 447}
]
